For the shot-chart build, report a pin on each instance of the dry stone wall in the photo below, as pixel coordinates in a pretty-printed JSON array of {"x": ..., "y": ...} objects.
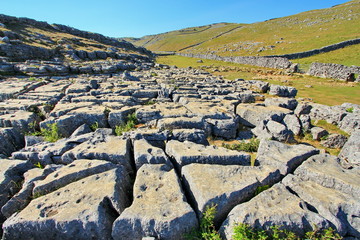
[{"x": 335, "y": 71}]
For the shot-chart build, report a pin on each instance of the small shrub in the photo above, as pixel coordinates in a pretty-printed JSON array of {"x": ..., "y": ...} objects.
[
  {"x": 130, "y": 123},
  {"x": 350, "y": 110},
  {"x": 206, "y": 229},
  {"x": 50, "y": 134},
  {"x": 39, "y": 165},
  {"x": 251, "y": 146}
]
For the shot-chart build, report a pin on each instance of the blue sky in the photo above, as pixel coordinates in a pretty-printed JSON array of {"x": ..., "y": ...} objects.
[{"x": 136, "y": 18}]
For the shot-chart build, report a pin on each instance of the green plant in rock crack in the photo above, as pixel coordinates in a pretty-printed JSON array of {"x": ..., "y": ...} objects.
[{"x": 130, "y": 123}]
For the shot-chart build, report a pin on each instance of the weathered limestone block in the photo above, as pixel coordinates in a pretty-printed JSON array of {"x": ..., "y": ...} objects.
[
  {"x": 159, "y": 208},
  {"x": 332, "y": 114},
  {"x": 334, "y": 141},
  {"x": 84, "y": 209},
  {"x": 192, "y": 135},
  {"x": 339, "y": 208},
  {"x": 318, "y": 132},
  {"x": 11, "y": 172},
  {"x": 225, "y": 186},
  {"x": 10, "y": 141},
  {"x": 20, "y": 120},
  {"x": 145, "y": 153},
  {"x": 118, "y": 117},
  {"x": 292, "y": 123},
  {"x": 351, "y": 151},
  {"x": 282, "y": 91},
  {"x": 350, "y": 123},
  {"x": 21, "y": 199},
  {"x": 289, "y": 103},
  {"x": 108, "y": 148},
  {"x": 275, "y": 206},
  {"x": 252, "y": 115},
  {"x": 326, "y": 170},
  {"x": 181, "y": 123},
  {"x": 224, "y": 128},
  {"x": 186, "y": 153},
  {"x": 72, "y": 172},
  {"x": 284, "y": 157},
  {"x": 212, "y": 109}
]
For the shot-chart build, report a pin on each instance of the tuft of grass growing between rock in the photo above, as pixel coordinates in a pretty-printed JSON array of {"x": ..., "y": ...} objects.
[
  {"x": 50, "y": 133},
  {"x": 251, "y": 146},
  {"x": 129, "y": 125}
]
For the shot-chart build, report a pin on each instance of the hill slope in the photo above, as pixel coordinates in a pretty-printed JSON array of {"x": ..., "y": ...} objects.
[
  {"x": 296, "y": 33},
  {"x": 23, "y": 39}
]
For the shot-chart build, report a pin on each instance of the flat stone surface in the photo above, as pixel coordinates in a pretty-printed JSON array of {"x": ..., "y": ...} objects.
[
  {"x": 84, "y": 209},
  {"x": 275, "y": 206},
  {"x": 351, "y": 151},
  {"x": 186, "y": 153},
  {"x": 224, "y": 186},
  {"x": 159, "y": 208},
  {"x": 284, "y": 157}
]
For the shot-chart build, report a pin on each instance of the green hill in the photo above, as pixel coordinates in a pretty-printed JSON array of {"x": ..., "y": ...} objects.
[{"x": 301, "y": 32}]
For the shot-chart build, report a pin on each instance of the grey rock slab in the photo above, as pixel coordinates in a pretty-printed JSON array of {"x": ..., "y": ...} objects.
[
  {"x": 84, "y": 209},
  {"x": 326, "y": 170},
  {"x": 192, "y": 135},
  {"x": 252, "y": 115},
  {"x": 145, "y": 153},
  {"x": 351, "y": 150},
  {"x": 282, "y": 91},
  {"x": 279, "y": 132},
  {"x": 118, "y": 117},
  {"x": 289, "y": 103},
  {"x": 332, "y": 114},
  {"x": 275, "y": 206},
  {"x": 224, "y": 186},
  {"x": 334, "y": 141},
  {"x": 223, "y": 109},
  {"x": 350, "y": 123},
  {"x": 339, "y": 208},
  {"x": 283, "y": 156},
  {"x": 318, "y": 132},
  {"x": 109, "y": 148},
  {"x": 72, "y": 172},
  {"x": 22, "y": 198},
  {"x": 10, "y": 141},
  {"x": 185, "y": 153},
  {"x": 302, "y": 108},
  {"x": 181, "y": 123},
  {"x": 20, "y": 120},
  {"x": 224, "y": 128},
  {"x": 159, "y": 208},
  {"x": 292, "y": 123}
]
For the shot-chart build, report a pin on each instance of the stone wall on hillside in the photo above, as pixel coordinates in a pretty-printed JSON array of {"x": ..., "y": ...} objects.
[
  {"x": 270, "y": 62},
  {"x": 325, "y": 49},
  {"x": 335, "y": 71}
]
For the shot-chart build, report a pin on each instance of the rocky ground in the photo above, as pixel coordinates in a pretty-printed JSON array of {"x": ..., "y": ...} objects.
[{"x": 156, "y": 180}]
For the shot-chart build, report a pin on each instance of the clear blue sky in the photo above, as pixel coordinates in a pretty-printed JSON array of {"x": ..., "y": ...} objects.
[{"x": 136, "y": 18}]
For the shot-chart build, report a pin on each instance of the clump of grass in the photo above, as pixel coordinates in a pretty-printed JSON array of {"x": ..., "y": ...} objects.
[
  {"x": 246, "y": 232},
  {"x": 251, "y": 146},
  {"x": 206, "y": 229},
  {"x": 350, "y": 110},
  {"x": 39, "y": 165},
  {"x": 130, "y": 123},
  {"x": 331, "y": 128},
  {"x": 261, "y": 189},
  {"x": 150, "y": 102},
  {"x": 94, "y": 126},
  {"x": 50, "y": 133}
]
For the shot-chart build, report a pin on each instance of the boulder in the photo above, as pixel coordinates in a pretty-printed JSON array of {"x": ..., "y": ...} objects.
[
  {"x": 159, "y": 208},
  {"x": 192, "y": 135},
  {"x": 350, "y": 123},
  {"x": 292, "y": 123},
  {"x": 318, "y": 132},
  {"x": 351, "y": 150},
  {"x": 224, "y": 128},
  {"x": 21, "y": 120},
  {"x": 302, "y": 109},
  {"x": 334, "y": 141},
  {"x": 279, "y": 132},
  {"x": 284, "y": 157},
  {"x": 230, "y": 185},
  {"x": 275, "y": 206},
  {"x": 10, "y": 141},
  {"x": 289, "y": 103},
  {"x": 185, "y": 153},
  {"x": 79, "y": 210},
  {"x": 182, "y": 123},
  {"x": 145, "y": 153},
  {"x": 282, "y": 91},
  {"x": 118, "y": 117}
]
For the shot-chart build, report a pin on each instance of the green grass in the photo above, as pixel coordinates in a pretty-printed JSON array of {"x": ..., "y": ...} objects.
[
  {"x": 331, "y": 128},
  {"x": 50, "y": 133},
  {"x": 323, "y": 90},
  {"x": 129, "y": 125},
  {"x": 250, "y": 146},
  {"x": 301, "y": 32}
]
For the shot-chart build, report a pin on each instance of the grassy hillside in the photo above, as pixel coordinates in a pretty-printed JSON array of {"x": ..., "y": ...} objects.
[
  {"x": 296, "y": 33},
  {"x": 319, "y": 90}
]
